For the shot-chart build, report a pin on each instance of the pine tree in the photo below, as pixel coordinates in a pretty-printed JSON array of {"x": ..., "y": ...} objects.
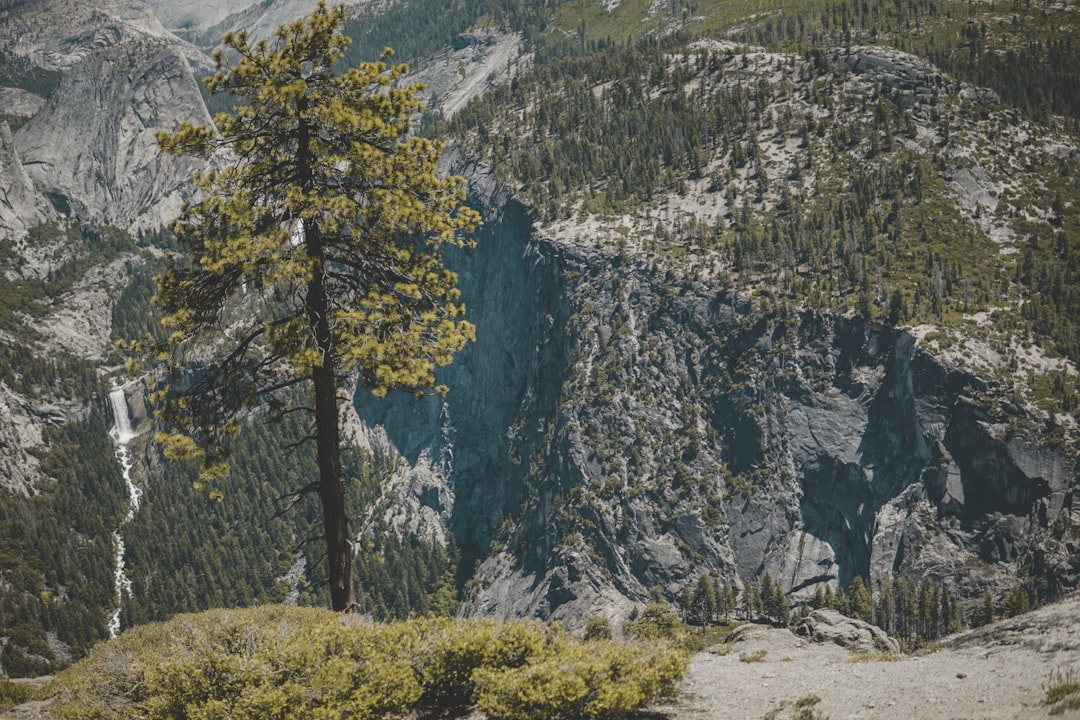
[
  {"x": 313, "y": 257},
  {"x": 860, "y": 604},
  {"x": 885, "y": 612},
  {"x": 703, "y": 600}
]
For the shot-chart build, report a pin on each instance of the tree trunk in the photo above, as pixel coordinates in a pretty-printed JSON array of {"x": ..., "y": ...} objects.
[
  {"x": 327, "y": 437},
  {"x": 324, "y": 378},
  {"x": 332, "y": 489}
]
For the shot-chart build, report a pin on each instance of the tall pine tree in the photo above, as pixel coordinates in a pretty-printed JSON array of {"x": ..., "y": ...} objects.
[{"x": 314, "y": 255}]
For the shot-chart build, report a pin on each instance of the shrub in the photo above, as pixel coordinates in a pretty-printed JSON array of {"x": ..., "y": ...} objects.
[
  {"x": 454, "y": 650},
  {"x": 12, "y": 694},
  {"x": 598, "y": 680},
  {"x": 288, "y": 663},
  {"x": 597, "y": 627}
]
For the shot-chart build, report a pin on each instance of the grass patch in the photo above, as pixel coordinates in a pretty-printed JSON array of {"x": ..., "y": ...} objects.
[
  {"x": 1063, "y": 691},
  {"x": 759, "y": 656},
  {"x": 801, "y": 709},
  {"x": 873, "y": 657}
]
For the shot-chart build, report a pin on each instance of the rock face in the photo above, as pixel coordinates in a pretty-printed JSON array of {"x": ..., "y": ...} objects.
[
  {"x": 616, "y": 428},
  {"x": 60, "y": 34},
  {"x": 260, "y": 19},
  {"x": 21, "y": 206},
  {"x": 855, "y": 635},
  {"x": 91, "y": 150},
  {"x": 19, "y": 103},
  {"x": 195, "y": 14},
  {"x": 476, "y": 62},
  {"x": 18, "y": 468}
]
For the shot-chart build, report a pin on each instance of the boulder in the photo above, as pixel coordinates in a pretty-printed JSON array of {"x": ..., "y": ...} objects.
[{"x": 855, "y": 635}]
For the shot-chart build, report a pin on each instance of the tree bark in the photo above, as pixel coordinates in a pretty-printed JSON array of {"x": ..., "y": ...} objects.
[
  {"x": 327, "y": 442},
  {"x": 324, "y": 378}
]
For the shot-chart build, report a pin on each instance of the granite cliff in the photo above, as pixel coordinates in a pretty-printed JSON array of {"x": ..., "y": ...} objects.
[{"x": 619, "y": 427}]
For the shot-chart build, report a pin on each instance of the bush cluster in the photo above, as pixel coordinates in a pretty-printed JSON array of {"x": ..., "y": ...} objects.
[{"x": 286, "y": 662}]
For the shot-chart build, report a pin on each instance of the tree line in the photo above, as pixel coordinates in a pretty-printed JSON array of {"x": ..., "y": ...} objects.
[{"x": 913, "y": 611}]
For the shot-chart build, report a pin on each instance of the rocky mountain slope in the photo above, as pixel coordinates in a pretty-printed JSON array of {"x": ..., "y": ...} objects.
[
  {"x": 758, "y": 290},
  {"x": 677, "y": 397},
  {"x": 659, "y": 427}
]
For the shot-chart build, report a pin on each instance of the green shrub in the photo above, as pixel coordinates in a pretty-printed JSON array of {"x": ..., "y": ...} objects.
[
  {"x": 12, "y": 694},
  {"x": 597, "y": 627},
  {"x": 454, "y": 650},
  {"x": 288, "y": 663},
  {"x": 598, "y": 680},
  {"x": 659, "y": 622}
]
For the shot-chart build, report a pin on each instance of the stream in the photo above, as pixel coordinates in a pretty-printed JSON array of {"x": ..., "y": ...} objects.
[{"x": 122, "y": 434}]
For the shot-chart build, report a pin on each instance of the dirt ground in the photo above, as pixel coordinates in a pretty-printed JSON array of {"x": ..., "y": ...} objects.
[{"x": 1001, "y": 672}]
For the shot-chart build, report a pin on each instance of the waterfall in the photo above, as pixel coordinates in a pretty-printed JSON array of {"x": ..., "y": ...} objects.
[
  {"x": 121, "y": 435},
  {"x": 122, "y": 422},
  {"x": 292, "y": 579}
]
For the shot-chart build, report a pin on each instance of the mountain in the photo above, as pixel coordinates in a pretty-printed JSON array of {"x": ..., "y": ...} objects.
[
  {"x": 795, "y": 332},
  {"x": 762, "y": 288}
]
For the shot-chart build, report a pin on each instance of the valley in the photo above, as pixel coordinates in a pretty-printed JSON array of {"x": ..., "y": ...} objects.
[{"x": 763, "y": 289}]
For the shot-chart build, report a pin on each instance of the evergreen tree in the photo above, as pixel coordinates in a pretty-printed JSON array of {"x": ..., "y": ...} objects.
[
  {"x": 885, "y": 612},
  {"x": 751, "y": 602},
  {"x": 774, "y": 601},
  {"x": 840, "y": 601},
  {"x": 860, "y": 604},
  {"x": 986, "y": 613},
  {"x": 703, "y": 600},
  {"x": 686, "y": 603},
  {"x": 313, "y": 257}
]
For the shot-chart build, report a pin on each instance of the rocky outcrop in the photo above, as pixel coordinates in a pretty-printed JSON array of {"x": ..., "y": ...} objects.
[
  {"x": 19, "y": 103},
  {"x": 18, "y": 468},
  {"x": 477, "y": 61},
  {"x": 92, "y": 151},
  {"x": 81, "y": 322},
  {"x": 855, "y": 635},
  {"x": 195, "y": 15},
  {"x": 914, "y": 78},
  {"x": 61, "y": 34},
  {"x": 259, "y": 19},
  {"x": 21, "y": 206}
]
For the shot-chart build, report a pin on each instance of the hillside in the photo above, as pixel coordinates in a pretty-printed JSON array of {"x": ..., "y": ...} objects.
[{"x": 763, "y": 288}]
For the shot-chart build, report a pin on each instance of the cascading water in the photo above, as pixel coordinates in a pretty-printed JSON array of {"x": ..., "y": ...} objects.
[{"x": 121, "y": 435}]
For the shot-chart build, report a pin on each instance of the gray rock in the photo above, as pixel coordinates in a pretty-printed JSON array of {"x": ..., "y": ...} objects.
[
  {"x": 823, "y": 447},
  {"x": 92, "y": 151},
  {"x": 20, "y": 103},
  {"x": 60, "y": 34},
  {"x": 21, "y": 206},
  {"x": 857, "y": 636}
]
